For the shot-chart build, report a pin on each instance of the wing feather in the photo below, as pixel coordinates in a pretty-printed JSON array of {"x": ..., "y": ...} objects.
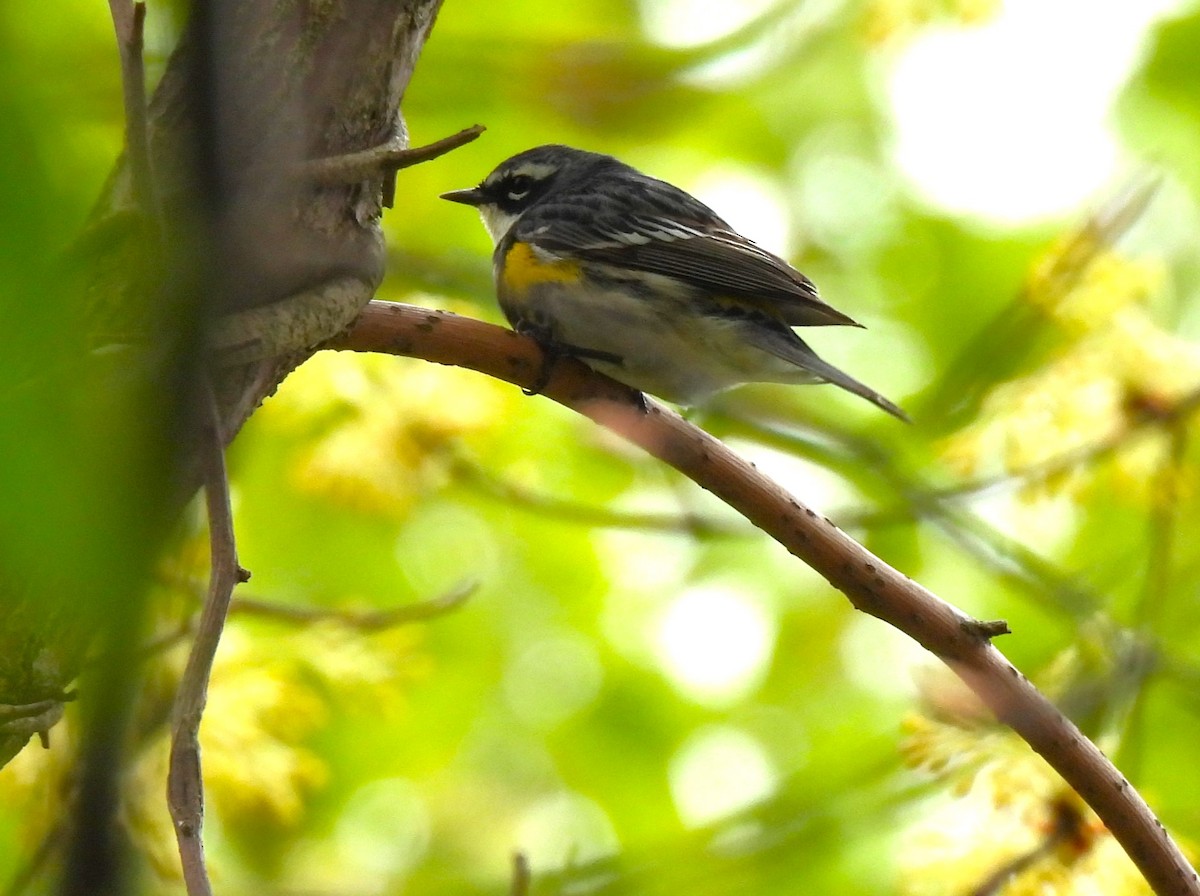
[{"x": 693, "y": 246}]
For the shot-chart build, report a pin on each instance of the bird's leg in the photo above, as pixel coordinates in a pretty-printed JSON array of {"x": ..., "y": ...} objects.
[
  {"x": 551, "y": 352},
  {"x": 553, "y": 349}
]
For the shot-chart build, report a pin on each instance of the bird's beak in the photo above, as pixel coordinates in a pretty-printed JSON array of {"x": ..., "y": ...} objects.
[{"x": 472, "y": 196}]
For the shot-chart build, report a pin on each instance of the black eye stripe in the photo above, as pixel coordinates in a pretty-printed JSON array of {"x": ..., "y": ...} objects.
[{"x": 514, "y": 190}]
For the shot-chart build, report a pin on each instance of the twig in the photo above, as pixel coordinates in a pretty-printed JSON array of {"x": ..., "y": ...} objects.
[
  {"x": 919, "y": 501},
  {"x": 387, "y": 158},
  {"x": 1068, "y": 825},
  {"x": 165, "y": 641},
  {"x": 11, "y": 712},
  {"x": 1143, "y": 422},
  {"x": 871, "y": 585},
  {"x": 569, "y": 511},
  {"x": 1068, "y": 460},
  {"x": 129, "y": 20},
  {"x": 185, "y": 788},
  {"x": 1012, "y": 332},
  {"x": 370, "y": 621},
  {"x": 521, "y": 876}
]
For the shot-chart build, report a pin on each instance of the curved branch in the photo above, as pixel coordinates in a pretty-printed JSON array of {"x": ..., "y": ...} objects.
[{"x": 871, "y": 585}]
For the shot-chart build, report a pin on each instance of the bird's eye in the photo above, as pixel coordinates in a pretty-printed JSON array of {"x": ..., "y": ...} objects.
[{"x": 519, "y": 187}]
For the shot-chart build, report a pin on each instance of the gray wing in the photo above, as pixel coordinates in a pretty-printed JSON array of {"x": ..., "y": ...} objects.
[{"x": 657, "y": 229}]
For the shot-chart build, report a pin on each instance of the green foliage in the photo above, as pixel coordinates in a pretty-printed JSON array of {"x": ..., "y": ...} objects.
[{"x": 643, "y": 694}]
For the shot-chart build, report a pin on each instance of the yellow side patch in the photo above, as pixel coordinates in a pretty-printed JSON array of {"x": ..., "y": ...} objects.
[{"x": 524, "y": 270}]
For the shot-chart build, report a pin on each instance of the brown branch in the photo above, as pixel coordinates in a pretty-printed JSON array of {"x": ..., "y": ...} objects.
[
  {"x": 1003, "y": 555},
  {"x": 185, "y": 788},
  {"x": 871, "y": 585},
  {"x": 387, "y": 158}
]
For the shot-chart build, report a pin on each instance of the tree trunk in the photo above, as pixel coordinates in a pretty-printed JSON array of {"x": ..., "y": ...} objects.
[{"x": 257, "y": 264}]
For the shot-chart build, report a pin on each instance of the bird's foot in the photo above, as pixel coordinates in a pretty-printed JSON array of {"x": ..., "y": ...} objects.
[{"x": 553, "y": 350}]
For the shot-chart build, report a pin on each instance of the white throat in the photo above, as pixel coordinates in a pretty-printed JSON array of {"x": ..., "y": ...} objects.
[{"x": 496, "y": 221}]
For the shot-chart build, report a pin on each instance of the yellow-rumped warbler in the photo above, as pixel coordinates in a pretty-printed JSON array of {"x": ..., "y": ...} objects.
[{"x": 644, "y": 282}]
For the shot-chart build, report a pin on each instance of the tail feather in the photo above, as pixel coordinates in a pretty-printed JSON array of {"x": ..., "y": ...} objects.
[{"x": 796, "y": 351}]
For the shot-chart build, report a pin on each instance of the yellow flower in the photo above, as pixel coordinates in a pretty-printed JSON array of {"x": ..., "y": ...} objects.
[
  {"x": 266, "y": 698},
  {"x": 379, "y": 431},
  {"x": 1004, "y": 822},
  {"x": 887, "y": 20},
  {"x": 1115, "y": 370}
]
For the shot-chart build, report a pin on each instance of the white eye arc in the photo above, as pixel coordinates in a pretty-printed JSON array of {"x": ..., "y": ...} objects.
[{"x": 517, "y": 195}]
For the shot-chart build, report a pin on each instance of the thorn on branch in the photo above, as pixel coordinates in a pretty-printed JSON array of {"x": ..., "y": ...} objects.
[{"x": 986, "y": 629}]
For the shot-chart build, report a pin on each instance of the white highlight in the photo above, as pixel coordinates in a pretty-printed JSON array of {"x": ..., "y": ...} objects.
[
  {"x": 714, "y": 643},
  {"x": 553, "y": 679},
  {"x": 689, "y": 23},
  {"x": 1008, "y": 120},
  {"x": 536, "y": 170},
  {"x": 565, "y": 827},
  {"x": 718, "y": 771},
  {"x": 385, "y": 828},
  {"x": 751, "y": 204},
  {"x": 879, "y": 660}
]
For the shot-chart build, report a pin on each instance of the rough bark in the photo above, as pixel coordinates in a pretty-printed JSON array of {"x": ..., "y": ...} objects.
[{"x": 251, "y": 265}]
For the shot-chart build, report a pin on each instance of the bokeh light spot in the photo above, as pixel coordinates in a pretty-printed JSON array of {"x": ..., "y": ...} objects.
[
  {"x": 689, "y": 23},
  {"x": 552, "y": 679},
  {"x": 719, "y": 770},
  {"x": 385, "y": 828},
  {"x": 443, "y": 545},
  {"x": 565, "y": 827},
  {"x": 714, "y": 643},
  {"x": 879, "y": 660},
  {"x": 1008, "y": 120},
  {"x": 749, "y": 203}
]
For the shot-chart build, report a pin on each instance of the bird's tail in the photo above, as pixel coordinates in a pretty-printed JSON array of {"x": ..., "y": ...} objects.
[{"x": 796, "y": 351}]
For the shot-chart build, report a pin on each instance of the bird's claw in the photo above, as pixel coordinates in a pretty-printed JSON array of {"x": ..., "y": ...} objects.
[{"x": 553, "y": 350}]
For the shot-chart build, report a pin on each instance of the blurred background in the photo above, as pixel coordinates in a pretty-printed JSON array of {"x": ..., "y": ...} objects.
[{"x": 620, "y": 678}]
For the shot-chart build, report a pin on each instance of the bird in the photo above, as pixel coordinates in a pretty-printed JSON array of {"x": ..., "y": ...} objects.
[{"x": 641, "y": 281}]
